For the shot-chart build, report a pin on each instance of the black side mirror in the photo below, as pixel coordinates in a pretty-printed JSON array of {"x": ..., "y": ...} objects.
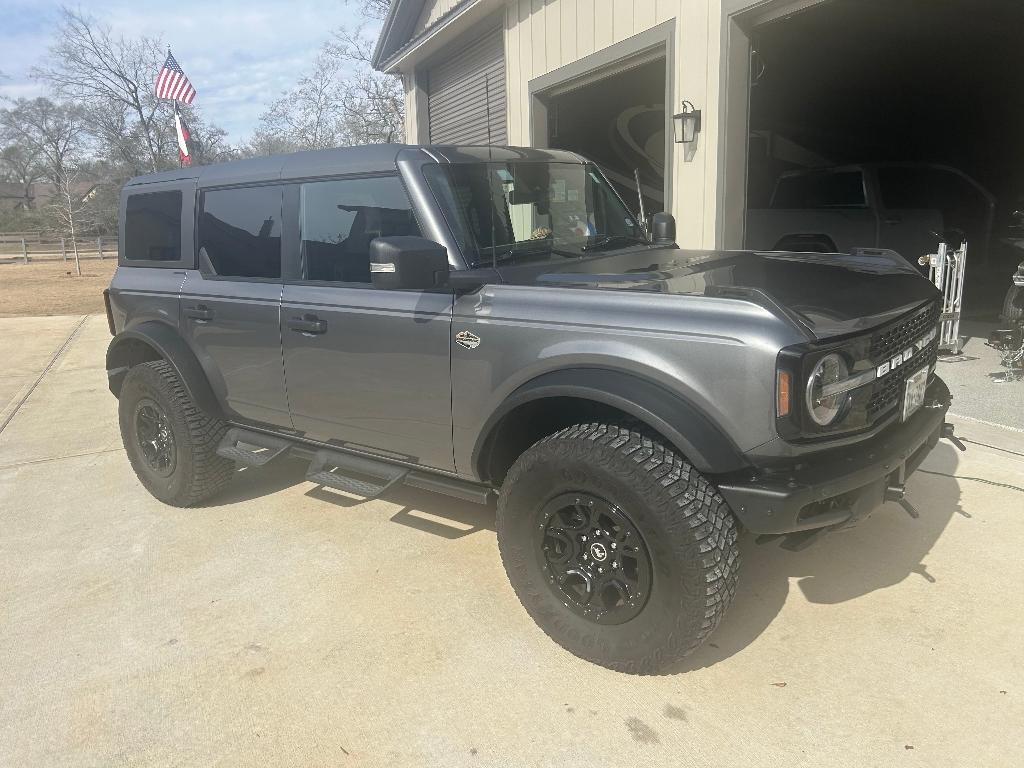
[
  {"x": 663, "y": 229},
  {"x": 407, "y": 262}
]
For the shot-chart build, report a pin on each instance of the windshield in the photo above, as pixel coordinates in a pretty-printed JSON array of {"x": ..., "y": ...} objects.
[{"x": 524, "y": 211}]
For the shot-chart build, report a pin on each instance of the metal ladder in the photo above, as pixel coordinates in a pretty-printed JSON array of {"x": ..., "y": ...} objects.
[{"x": 946, "y": 271}]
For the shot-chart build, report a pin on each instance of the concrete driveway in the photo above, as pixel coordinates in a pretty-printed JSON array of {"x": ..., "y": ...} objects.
[{"x": 285, "y": 625}]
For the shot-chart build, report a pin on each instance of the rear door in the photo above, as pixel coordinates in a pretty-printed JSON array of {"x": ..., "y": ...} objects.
[
  {"x": 231, "y": 304},
  {"x": 367, "y": 369}
]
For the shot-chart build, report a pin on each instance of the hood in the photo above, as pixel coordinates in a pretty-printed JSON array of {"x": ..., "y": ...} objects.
[{"x": 829, "y": 294}]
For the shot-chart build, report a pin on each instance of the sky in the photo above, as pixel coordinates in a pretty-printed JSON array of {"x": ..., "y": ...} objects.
[{"x": 239, "y": 54}]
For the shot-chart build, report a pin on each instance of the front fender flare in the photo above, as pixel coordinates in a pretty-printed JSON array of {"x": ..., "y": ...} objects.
[
  {"x": 167, "y": 344},
  {"x": 685, "y": 426}
]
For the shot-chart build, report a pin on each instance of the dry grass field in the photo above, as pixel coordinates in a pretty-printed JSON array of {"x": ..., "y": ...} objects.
[{"x": 53, "y": 288}]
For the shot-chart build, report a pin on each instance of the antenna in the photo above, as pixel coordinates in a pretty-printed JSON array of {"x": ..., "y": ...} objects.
[{"x": 640, "y": 198}]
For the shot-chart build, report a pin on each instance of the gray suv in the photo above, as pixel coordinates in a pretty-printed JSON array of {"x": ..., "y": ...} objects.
[{"x": 485, "y": 321}]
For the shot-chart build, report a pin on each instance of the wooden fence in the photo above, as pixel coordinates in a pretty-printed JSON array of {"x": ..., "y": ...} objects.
[{"x": 34, "y": 248}]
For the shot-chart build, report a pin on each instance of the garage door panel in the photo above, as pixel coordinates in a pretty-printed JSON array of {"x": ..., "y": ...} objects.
[{"x": 466, "y": 94}]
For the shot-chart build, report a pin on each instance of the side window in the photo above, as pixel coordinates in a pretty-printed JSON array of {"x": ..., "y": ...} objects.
[
  {"x": 152, "y": 227},
  {"x": 240, "y": 232},
  {"x": 338, "y": 219},
  {"x": 821, "y": 190}
]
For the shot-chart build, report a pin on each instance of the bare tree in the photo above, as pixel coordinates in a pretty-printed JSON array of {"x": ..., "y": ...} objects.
[
  {"x": 111, "y": 78},
  {"x": 89, "y": 64},
  {"x": 342, "y": 101},
  {"x": 54, "y": 131},
  {"x": 19, "y": 164},
  {"x": 373, "y": 9},
  {"x": 373, "y": 102},
  {"x": 310, "y": 115}
]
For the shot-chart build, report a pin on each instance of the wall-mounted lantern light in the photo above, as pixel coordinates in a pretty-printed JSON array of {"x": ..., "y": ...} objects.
[{"x": 686, "y": 124}]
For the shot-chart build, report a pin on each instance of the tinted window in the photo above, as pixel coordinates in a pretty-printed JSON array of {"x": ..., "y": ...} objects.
[
  {"x": 152, "y": 227},
  {"x": 240, "y": 232},
  {"x": 340, "y": 218},
  {"x": 821, "y": 190}
]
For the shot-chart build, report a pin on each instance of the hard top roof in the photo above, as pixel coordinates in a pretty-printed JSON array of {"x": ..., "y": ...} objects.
[{"x": 370, "y": 158}]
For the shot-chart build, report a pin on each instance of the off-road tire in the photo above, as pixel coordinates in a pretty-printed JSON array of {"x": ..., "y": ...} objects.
[
  {"x": 198, "y": 472},
  {"x": 687, "y": 527}
]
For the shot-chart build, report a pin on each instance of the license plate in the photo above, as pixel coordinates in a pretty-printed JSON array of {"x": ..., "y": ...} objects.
[{"x": 913, "y": 393}]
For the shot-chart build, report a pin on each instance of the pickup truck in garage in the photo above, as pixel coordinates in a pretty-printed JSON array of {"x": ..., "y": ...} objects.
[{"x": 834, "y": 210}]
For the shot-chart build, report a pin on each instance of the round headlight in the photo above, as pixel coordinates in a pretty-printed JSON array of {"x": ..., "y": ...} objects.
[{"x": 829, "y": 370}]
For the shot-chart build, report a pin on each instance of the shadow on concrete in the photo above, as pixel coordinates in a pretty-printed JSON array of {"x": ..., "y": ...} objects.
[
  {"x": 879, "y": 553},
  {"x": 428, "y": 512}
]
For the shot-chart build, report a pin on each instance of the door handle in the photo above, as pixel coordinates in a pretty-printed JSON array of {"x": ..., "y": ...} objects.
[
  {"x": 309, "y": 324},
  {"x": 893, "y": 220},
  {"x": 200, "y": 312}
]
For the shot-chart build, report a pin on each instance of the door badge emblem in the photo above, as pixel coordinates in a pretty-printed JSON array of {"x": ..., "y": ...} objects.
[{"x": 467, "y": 339}]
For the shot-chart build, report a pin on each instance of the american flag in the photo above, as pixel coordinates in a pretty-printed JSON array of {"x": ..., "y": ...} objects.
[{"x": 171, "y": 83}]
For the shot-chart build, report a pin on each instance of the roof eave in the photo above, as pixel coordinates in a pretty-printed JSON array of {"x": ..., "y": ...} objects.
[{"x": 384, "y": 42}]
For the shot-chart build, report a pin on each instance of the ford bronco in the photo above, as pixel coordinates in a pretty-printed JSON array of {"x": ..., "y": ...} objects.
[{"x": 494, "y": 322}]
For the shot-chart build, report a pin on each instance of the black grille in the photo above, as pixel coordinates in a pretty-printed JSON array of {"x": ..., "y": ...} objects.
[
  {"x": 888, "y": 390},
  {"x": 892, "y": 340}
]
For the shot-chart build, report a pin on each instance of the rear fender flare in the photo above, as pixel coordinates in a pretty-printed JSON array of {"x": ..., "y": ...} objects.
[
  {"x": 167, "y": 344},
  {"x": 685, "y": 426}
]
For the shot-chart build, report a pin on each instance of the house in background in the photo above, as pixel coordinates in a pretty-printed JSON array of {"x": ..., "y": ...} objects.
[
  {"x": 779, "y": 84},
  {"x": 18, "y": 197}
]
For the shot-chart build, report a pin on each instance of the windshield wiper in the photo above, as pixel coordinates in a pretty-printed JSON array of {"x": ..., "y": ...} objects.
[
  {"x": 513, "y": 255},
  {"x": 598, "y": 245}
]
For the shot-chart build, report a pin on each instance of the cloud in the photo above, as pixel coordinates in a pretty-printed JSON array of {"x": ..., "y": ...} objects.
[{"x": 240, "y": 55}]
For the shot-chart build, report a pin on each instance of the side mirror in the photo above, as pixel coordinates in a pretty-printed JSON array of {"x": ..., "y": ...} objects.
[
  {"x": 663, "y": 229},
  {"x": 413, "y": 263}
]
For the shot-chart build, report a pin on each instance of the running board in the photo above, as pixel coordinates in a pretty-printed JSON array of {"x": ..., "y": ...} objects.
[
  {"x": 263, "y": 448},
  {"x": 332, "y": 469}
]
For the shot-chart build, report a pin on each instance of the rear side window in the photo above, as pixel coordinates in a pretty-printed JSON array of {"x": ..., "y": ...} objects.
[
  {"x": 240, "y": 232},
  {"x": 821, "y": 190},
  {"x": 152, "y": 227},
  {"x": 339, "y": 219}
]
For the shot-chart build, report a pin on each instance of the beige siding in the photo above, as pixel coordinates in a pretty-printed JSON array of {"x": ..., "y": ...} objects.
[
  {"x": 432, "y": 11},
  {"x": 544, "y": 35}
]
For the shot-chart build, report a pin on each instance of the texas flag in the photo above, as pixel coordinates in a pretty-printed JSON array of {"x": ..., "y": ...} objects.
[{"x": 183, "y": 137}]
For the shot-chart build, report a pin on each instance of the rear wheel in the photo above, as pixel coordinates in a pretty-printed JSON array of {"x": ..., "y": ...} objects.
[
  {"x": 171, "y": 444},
  {"x": 619, "y": 550}
]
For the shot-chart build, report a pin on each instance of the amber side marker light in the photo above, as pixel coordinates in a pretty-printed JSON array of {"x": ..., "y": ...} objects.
[{"x": 782, "y": 389}]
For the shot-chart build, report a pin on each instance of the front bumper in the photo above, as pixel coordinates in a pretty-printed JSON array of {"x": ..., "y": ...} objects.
[{"x": 835, "y": 488}]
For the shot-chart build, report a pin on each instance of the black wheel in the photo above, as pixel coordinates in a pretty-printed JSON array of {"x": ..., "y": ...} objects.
[
  {"x": 619, "y": 549},
  {"x": 171, "y": 443}
]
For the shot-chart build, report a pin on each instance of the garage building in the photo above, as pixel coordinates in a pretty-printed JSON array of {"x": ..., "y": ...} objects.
[{"x": 779, "y": 85}]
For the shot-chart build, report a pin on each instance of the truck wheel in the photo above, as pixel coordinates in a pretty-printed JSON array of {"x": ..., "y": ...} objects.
[
  {"x": 619, "y": 549},
  {"x": 171, "y": 443}
]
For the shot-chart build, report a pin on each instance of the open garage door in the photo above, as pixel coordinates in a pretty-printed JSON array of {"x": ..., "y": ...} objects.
[
  {"x": 617, "y": 119},
  {"x": 875, "y": 122}
]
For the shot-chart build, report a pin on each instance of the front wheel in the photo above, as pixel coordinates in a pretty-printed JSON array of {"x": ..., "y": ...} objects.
[{"x": 618, "y": 549}]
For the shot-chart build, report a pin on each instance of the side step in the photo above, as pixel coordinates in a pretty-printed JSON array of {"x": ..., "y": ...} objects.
[
  {"x": 260, "y": 448},
  {"x": 332, "y": 469}
]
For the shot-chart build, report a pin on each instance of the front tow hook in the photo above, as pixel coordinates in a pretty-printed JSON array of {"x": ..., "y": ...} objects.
[
  {"x": 947, "y": 432},
  {"x": 898, "y": 493}
]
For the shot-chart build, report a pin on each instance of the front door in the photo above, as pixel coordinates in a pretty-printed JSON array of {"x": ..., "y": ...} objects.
[
  {"x": 231, "y": 305},
  {"x": 366, "y": 369}
]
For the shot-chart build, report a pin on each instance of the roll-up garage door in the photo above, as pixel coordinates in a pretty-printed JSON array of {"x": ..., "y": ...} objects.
[{"x": 466, "y": 94}]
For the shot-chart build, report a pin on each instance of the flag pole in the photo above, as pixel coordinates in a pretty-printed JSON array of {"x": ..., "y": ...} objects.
[{"x": 177, "y": 120}]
